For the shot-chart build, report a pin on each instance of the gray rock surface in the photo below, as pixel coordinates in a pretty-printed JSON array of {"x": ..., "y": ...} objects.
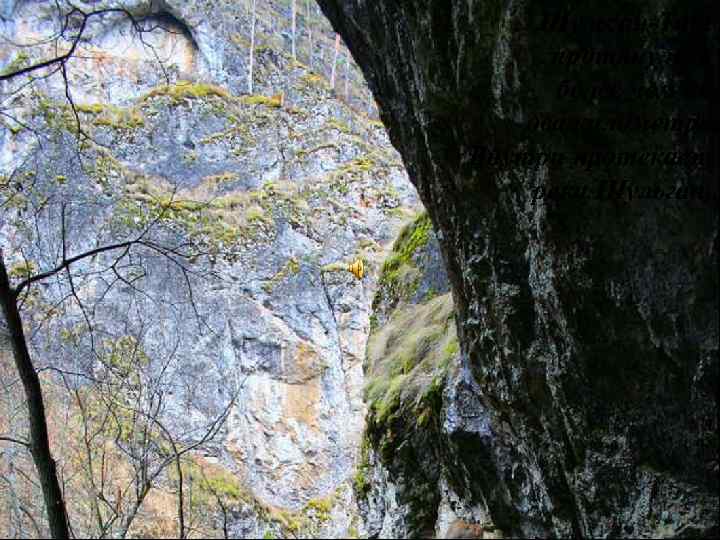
[
  {"x": 287, "y": 188},
  {"x": 573, "y": 393}
]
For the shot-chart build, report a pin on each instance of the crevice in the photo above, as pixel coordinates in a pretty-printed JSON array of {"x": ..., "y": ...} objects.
[{"x": 161, "y": 16}]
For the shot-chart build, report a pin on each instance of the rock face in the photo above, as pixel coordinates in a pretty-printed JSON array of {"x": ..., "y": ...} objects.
[
  {"x": 586, "y": 400},
  {"x": 283, "y": 185},
  {"x": 412, "y": 354},
  {"x": 538, "y": 366}
]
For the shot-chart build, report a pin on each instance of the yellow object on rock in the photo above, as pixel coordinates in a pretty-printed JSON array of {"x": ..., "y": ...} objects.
[{"x": 357, "y": 268}]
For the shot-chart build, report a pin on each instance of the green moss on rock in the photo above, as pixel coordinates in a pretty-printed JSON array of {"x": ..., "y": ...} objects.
[
  {"x": 106, "y": 115},
  {"x": 400, "y": 274},
  {"x": 273, "y": 102},
  {"x": 292, "y": 267},
  {"x": 21, "y": 60},
  {"x": 408, "y": 354},
  {"x": 320, "y": 508},
  {"x": 412, "y": 350},
  {"x": 361, "y": 481},
  {"x": 314, "y": 79},
  {"x": 186, "y": 90}
]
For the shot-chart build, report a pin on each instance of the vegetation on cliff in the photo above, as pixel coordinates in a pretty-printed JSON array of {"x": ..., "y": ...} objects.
[{"x": 412, "y": 350}]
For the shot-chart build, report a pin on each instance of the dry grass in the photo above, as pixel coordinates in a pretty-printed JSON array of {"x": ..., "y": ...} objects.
[{"x": 404, "y": 356}]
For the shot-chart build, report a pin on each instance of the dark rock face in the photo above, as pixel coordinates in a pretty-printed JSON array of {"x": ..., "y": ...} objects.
[
  {"x": 589, "y": 324},
  {"x": 412, "y": 357}
]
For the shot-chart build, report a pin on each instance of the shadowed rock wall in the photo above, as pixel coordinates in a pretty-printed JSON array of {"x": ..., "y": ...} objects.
[{"x": 588, "y": 325}]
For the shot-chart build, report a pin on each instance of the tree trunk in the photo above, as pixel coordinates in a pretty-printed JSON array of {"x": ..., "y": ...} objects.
[
  {"x": 181, "y": 496},
  {"x": 347, "y": 75},
  {"x": 334, "y": 64},
  {"x": 294, "y": 28},
  {"x": 252, "y": 50},
  {"x": 310, "y": 33},
  {"x": 39, "y": 444}
]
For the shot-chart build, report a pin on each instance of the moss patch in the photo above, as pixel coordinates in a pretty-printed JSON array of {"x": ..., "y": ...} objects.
[
  {"x": 291, "y": 521},
  {"x": 400, "y": 275},
  {"x": 412, "y": 350},
  {"x": 211, "y": 482},
  {"x": 106, "y": 115},
  {"x": 186, "y": 90},
  {"x": 417, "y": 342},
  {"x": 361, "y": 482},
  {"x": 291, "y": 268},
  {"x": 314, "y": 79},
  {"x": 21, "y": 60},
  {"x": 197, "y": 219},
  {"x": 409, "y": 354},
  {"x": 320, "y": 508},
  {"x": 22, "y": 270},
  {"x": 411, "y": 239},
  {"x": 273, "y": 102},
  {"x": 213, "y": 220}
]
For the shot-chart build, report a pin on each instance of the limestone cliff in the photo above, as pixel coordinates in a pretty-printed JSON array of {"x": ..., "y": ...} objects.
[
  {"x": 273, "y": 185},
  {"x": 524, "y": 359}
]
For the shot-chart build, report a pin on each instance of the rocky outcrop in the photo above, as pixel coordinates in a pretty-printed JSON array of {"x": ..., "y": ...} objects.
[
  {"x": 275, "y": 185},
  {"x": 556, "y": 375},
  {"x": 412, "y": 355},
  {"x": 588, "y": 325}
]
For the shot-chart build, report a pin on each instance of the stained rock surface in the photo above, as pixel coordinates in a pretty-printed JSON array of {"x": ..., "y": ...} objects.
[
  {"x": 586, "y": 402},
  {"x": 532, "y": 364},
  {"x": 276, "y": 184}
]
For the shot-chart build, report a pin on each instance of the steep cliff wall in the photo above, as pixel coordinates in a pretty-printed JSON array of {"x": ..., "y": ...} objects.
[
  {"x": 588, "y": 325},
  {"x": 537, "y": 366},
  {"x": 273, "y": 187}
]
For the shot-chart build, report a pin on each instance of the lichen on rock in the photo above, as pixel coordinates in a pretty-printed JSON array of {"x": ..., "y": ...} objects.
[{"x": 579, "y": 367}]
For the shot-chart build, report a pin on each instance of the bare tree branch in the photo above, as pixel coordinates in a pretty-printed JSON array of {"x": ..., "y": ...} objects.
[{"x": 16, "y": 441}]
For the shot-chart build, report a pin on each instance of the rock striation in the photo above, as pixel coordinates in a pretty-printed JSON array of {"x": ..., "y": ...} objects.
[
  {"x": 586, "y": 401},
  {"x": 274, "y": 184}
]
